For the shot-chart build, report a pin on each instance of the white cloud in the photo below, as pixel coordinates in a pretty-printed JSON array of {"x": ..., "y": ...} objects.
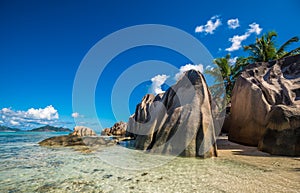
[
  {"x": 254, "y": 28},
  {"x": 188, "y": 67},
  {"x": 208, "y": 67},
  {"x": 75, "y": 115},
  {"x": 236, "y": 40},
  {"x": 14, "y": 123},
  {"x": 210, "y": 26},
  {"x": 232, "y": 61},
  {"x": 47, "y": 113},
  {"x": 32, "y": 117},
  {"x": 233, "y": 23},
  {"x": 157, "y": 82}
]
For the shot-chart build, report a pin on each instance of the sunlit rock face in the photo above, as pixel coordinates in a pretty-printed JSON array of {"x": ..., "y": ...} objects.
[
  {"x": 265, "y": 107},
  {"x": 82, "y": 131},
  {"x": 118, "y": 129},
  {"x": 178, "y": 122}
]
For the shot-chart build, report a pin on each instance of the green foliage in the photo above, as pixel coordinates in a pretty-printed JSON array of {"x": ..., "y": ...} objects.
[
  {"x": 225, "y": 76},
  {"x": 264, "y": 49}
]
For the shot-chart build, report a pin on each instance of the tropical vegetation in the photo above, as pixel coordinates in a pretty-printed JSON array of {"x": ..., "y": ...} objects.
[{"x": 264, "y": 49}]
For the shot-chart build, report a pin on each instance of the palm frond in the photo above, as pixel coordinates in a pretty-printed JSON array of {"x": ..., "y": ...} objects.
[{"x": 281, "y": 51}]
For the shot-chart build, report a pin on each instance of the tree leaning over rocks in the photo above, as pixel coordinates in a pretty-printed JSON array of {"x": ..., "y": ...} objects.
[{"x": 264, "y": 49}]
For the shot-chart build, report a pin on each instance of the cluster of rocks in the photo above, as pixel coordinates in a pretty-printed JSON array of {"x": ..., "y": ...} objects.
[
  {"x": 265, "y": 107},
  {"x": 118, "y": 129},
  {"x": 265, "y": 112},
  {"x": 81, "y": 136}
]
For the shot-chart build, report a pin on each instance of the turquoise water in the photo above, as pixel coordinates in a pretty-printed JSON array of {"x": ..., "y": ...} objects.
[{"x": 27, "y": 167}]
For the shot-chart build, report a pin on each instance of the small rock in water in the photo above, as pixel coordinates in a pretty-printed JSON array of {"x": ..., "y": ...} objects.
[
  {"x": 120, "y": 178},
  {"x": 144, "y": 174},
  {"x": 107, "y": 176},
  {"x": 98, "y": 170}
]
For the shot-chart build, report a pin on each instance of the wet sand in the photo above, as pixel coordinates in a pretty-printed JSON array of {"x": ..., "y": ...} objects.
[{"x": 251, "y": 155}]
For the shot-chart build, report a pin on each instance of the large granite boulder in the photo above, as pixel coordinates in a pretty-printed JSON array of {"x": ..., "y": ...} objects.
[
  {"x": 282, "y": 136},
  {"x": 180, "y": 122},
  {"x": 82, "y": 131},
  {"x": 118, "y": 129},
  {"x": 265, "y": 104},
  {"x": 140, "y": 117}
]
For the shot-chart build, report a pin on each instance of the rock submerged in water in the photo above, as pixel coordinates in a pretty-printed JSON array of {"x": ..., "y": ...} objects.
[
  {"x": 265, "y": 107},
  {"x": 81, "y": 136},
  {"x": 179, "y": 122}
]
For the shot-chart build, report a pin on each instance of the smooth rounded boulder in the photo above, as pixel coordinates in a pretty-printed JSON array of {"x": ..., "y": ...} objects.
[{"x": 179, "y": 122}]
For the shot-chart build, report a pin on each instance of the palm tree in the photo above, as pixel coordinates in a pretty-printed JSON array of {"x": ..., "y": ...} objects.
[
  {"x": 264, "y": 49},
  {"x": 225, "y": 75}
]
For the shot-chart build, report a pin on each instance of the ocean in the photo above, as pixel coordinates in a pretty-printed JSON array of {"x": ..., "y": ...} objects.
[{"x": 27, "y": 167}]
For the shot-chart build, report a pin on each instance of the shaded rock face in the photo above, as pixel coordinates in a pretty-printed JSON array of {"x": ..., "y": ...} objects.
[
  {"x": 282, "y": 136},
  {"x": 179, "y": 122},
  {"x": 118, "y": 129},
  {"x": 82, "y": 131},
  {"x": 265, "y": 105}
]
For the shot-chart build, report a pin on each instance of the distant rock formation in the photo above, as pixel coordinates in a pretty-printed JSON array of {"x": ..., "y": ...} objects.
[
  {"x": 82, "y": 131},
  {"x": 49, "y": 128},
  {"x": 179, "y": 122},
  {"x": 118, "y": 129},
  {"x": 265, "y": 107},
  {"x": 8, "y": 129}
]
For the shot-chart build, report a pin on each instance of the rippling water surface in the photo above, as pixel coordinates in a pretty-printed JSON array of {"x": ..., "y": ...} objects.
[{"x": 27, "y": 167}]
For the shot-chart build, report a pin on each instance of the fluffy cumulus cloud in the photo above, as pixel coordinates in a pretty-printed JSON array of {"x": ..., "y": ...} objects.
[
  {"x": 254, "y": 28},
  {"x": 233, "y": 23},
  {"x": 188, "y": 67},
  {"x": 210, "y": 26},
  {"x": 75, "y": 115},
  {"x": 30, "y": 118},
  {"x": 47, "y": 113},
  {"x": 157, "y": 82},
  {"x": 237, "y": 40}
]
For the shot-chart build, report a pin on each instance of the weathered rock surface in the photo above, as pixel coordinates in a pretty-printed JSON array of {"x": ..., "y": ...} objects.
[
  {"x": 82, "y": 131},
  {"x": 118, "y": 129},
  {"x": 265, "y": 106},
  {"x": 282, "y": 136},
  {"x": 72, "y": 140},
  {"x": 81, "y": 136},
  {"x": 179, "y": 122}
]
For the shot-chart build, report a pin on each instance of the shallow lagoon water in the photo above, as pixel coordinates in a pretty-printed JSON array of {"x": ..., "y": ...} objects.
[{"x": 27, "y": 167}]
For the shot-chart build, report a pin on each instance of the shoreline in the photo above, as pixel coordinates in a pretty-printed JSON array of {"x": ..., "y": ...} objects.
[{"x": 286, "y": 166}]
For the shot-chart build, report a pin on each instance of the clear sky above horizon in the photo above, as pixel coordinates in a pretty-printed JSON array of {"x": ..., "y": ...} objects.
[{"x": 42, "y": 44}]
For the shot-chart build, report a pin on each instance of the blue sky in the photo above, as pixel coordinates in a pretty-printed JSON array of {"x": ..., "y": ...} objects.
[{"x": 44, "y": 42}]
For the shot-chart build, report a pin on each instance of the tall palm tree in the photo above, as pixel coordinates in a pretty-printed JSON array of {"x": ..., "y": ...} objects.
[
  {"x": 264, "y": 49},
  {"x": 225, "y": 75}
]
